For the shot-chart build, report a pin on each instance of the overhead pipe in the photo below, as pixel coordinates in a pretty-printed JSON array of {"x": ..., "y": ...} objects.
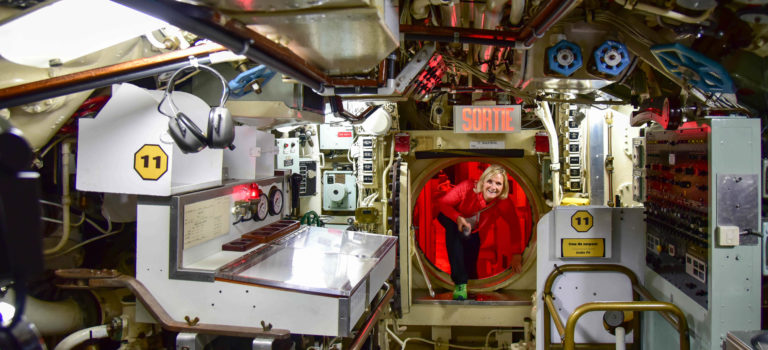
[
  {"x": 677, "y": 16},
  {"x": 420, "y": 8},
  {"x": 545, "y": 19},
  {"x": 521, "y": 38},
  {"x": 516, "y": 11},
  {"x": 50, "y": 318},
  {"x": 450, "y": 16},
  {"x": 103, "y": 76},
  {"x": 460, "y": 35},
  {"x": 490, "y": 18},
  {"x": 233, "y": 35}
]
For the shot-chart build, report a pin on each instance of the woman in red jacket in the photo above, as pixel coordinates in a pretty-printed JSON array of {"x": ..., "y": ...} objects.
[{"x": 469, "y": 207}]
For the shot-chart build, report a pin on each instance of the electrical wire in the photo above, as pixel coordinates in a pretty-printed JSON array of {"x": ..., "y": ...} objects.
[
  {"x": 88, "y": 241},
  {"x": 56, "y": 221},
  {"x": 502, "y": 83},
  {"x": 488, "y": 336},
  {"x": 93, "y": 223},
  {"x": 404, "y": 343}
]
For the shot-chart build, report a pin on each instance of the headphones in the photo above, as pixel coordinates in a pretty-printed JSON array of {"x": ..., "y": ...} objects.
[{"x": 187, "y": 135}]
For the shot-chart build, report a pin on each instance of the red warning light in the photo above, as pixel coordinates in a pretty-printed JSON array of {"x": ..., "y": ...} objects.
[{"x": 254, "y": 192}]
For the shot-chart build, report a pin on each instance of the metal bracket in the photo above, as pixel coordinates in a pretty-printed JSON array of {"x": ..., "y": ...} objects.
[
  {"x": 262, "y": 343},
  {"x": 193, "y": 341}
]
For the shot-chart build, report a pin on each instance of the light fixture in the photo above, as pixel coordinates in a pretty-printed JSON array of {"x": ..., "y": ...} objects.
[{"x": 68, "y": 29}]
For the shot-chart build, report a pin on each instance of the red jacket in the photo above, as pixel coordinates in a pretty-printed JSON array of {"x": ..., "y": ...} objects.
[{"x": 463, "y": 201}]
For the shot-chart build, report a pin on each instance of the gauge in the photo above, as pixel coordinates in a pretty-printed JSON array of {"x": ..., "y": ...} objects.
[
  {"x": 262, "y": 208},
  {"x": 275, "y": 201}
]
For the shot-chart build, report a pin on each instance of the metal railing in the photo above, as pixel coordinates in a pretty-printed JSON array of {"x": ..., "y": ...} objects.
[{"x": 567, "y": 332}]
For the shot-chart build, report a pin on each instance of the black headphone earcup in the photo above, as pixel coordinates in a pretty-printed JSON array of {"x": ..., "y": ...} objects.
[
  {"x": 186, "y": 134},
  {"x": 221, "y": 128}
]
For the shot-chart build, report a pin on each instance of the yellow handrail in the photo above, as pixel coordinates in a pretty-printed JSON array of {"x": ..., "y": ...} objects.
[
  {"x": 681, "y": 325},
  {"x": 660, "y": 306}
]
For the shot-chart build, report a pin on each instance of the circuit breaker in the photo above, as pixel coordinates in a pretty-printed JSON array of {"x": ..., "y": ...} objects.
[
  {"x": 574, "y": 160},
  {"x": 366, "y": 166},
  {"x": 339, "y": 191}
]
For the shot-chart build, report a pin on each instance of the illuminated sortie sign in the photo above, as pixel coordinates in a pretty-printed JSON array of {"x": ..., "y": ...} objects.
[{"x": 486, "y": 119}]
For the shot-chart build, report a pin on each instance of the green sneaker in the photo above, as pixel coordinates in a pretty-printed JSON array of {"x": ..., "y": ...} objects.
[{"x": 460, "y": 292}]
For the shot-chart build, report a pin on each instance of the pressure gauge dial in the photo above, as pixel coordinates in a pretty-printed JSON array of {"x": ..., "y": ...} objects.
[
  {"x": 275, "y": 201},
  {"x": 262, "y": 208}
]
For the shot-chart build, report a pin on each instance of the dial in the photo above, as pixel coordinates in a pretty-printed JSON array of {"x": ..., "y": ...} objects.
[
  {"x": 275, "y": 201},
  {"x": 262, "y": 208}
]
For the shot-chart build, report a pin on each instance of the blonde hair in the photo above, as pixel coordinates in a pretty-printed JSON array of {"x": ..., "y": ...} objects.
[{"x": 488, "y": 173}]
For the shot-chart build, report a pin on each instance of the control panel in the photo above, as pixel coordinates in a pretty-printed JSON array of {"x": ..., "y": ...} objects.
[
  {"x": 677, "y": 203},
  {"x": 288, "y": 157}
]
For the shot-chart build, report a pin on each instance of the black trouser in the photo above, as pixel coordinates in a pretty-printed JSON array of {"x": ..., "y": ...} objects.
[{"x": 462, "y": 251}]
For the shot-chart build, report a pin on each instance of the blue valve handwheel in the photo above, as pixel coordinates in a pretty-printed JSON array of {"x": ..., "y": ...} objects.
[
  {"x": 692, "y": 66},
  {"x": 564, "y": 58},
  {"x": 611, "y": 58}
]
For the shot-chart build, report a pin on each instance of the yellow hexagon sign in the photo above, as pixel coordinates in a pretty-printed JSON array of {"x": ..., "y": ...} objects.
[
  {"x": 582, "y": 221},
  {"x": 151, "y": 162}
]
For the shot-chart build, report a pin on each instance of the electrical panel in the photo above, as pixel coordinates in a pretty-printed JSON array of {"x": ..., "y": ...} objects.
[
  {"x": 680, "y": 211},
  {"x": 339, "y": 191},
  {"x": 702, "y": 208},
  {"x": 287, "y": 153},
  {"x": 677, "y": 208},
  {"x": 336, "y": 136},
  {"x": 366, "y": 161},
  {"x": 573, "y": 153},
  {"x": 288, "y": 158}
]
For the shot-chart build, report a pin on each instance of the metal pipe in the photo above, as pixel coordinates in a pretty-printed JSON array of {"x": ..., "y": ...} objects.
[
  {"x": 50, "y": 318},
  {"x": 522, "y": 37},
  {"x": 609, "y": 158},
  {"x": 555, "y": 316},
  {"x": 545, "y": 115},
  {"x": 620, "y": 333},
  {"x": 559, "y": 270},
  {"x": 645, "y": 294},
  {"x": 66, "y": 228},
  {"x": 558, "y": 11},
  {"x": 677, "y": 16},
  {"x": 103, "y": 76},
  {"x": 460, "y": 35},
  {"x": 516, "y": 11},
  {"x": 357, "y": 343},
  {"x": 583, "y": 309},
  {"x": 233, "y": 35},
  {"x": 82, "y": 335},
  {"x": 411, "y": 245}
]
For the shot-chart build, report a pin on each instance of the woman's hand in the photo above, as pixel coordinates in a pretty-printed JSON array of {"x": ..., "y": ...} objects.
[
  {"x": 516, "y": 264},
  {"x": 461, "y": 222}
]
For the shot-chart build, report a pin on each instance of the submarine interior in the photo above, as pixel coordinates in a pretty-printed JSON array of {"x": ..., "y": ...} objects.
[{"x": 268, "y": 174}]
